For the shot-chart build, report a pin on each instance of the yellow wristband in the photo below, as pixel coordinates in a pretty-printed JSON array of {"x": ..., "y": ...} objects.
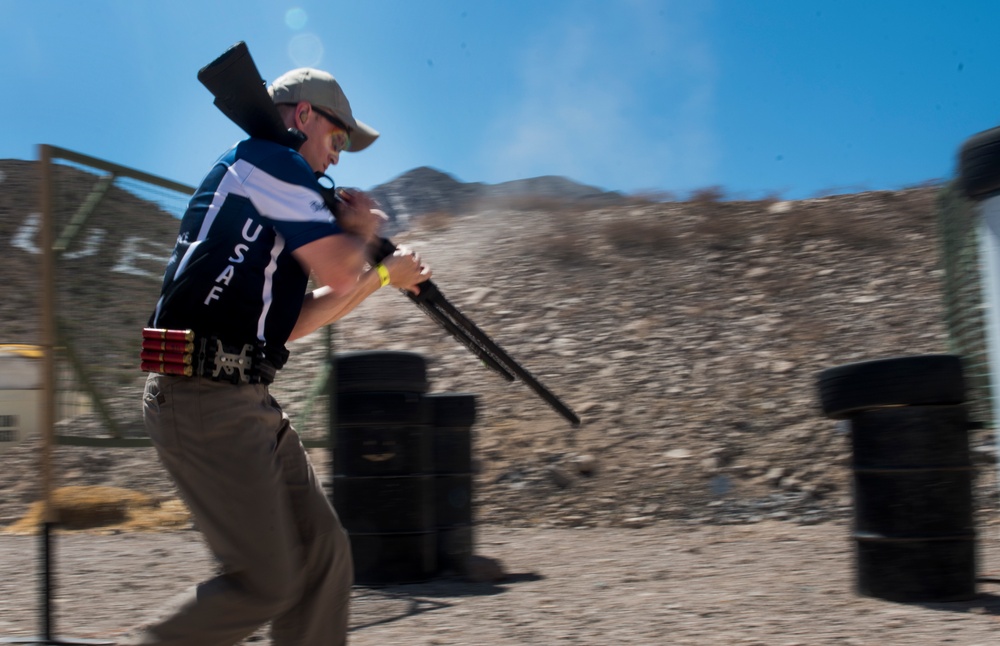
[{"x": 383, "y": 274}]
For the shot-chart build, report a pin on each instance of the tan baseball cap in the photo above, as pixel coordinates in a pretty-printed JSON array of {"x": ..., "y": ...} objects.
[{"x": 322, "y": 90}]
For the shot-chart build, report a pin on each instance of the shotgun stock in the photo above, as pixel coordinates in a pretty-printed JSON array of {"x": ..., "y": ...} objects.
[{"x": 241, "y": 94}]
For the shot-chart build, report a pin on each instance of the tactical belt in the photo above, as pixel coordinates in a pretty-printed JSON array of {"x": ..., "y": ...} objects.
[{"x": 182, "y": 352}]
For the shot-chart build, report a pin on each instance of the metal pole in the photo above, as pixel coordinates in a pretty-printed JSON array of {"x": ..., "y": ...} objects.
[
  {"x": 47, "y": 587},
  {"x": 48, "y": 379},
  {"x": 48, "y": 309},
  {"x": 47, "y": 416}
]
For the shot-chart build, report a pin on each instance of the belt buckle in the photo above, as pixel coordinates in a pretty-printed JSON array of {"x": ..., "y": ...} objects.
[{"x": 235, "y": 366}]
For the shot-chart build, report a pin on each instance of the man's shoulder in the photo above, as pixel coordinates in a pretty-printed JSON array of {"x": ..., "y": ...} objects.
[
  {"x": 261, "y": 150},
  {"x": 282, "y": 162}
]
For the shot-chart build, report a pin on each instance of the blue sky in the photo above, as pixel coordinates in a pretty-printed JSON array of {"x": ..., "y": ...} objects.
[{"x": 789, "y": 98}]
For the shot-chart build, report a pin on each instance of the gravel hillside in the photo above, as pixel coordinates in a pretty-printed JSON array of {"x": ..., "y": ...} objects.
[{"x": 688, "y": 335}]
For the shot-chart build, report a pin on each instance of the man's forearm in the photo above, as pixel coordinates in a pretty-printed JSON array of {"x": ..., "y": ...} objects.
[{"x": 323, "y": 306}]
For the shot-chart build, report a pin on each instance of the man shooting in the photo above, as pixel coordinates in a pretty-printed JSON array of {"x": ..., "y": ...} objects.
[{"x": 233, "y": 294}]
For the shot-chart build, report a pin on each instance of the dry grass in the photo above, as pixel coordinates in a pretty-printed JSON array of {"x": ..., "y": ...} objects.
[
  {"x": 856, "y": 230},
  {"x": 722, "y": 226},
  {"x": 641, "y": 237},
  {"x": 106, "y": 508},
  {"x": 566, "y": 245},
  {"x": 729, "y": 227},
  {"x": 543, "y": 204},
  {"x": 653, "y": 196},
  {"x": 707, "y": 195},
  {"x": 436, "y": 221}
]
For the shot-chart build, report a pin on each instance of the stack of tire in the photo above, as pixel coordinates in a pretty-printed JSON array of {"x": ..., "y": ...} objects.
[
  {"x": 401, "y": 464},
  {"x": 979, "y": 165},
  {"x": 452, "y": 417},
  {"x": 914, "y": 529}
]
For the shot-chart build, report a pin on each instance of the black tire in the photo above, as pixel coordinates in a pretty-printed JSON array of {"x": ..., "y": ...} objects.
[
  {"x": 393, "y": 408},
  {"x": 452, "y": 416},
  {"x": 382, "y": 451},
  {"x": 911, "y": 437},
  {"x": 380, "y": 371},
  {"x": 377, "y": 504},
  {"x": 452, "y": 410},
  {"x": 979, "y": 165},
  {"x": 929, "y": 379}
]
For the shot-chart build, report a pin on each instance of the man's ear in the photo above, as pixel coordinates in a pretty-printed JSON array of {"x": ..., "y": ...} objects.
[{"x": 302, "y": 112}]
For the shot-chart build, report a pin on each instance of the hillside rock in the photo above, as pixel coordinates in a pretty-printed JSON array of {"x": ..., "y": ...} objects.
[
  {"x": 420, "y": 191},
  {"x": 427, "y": 190}
]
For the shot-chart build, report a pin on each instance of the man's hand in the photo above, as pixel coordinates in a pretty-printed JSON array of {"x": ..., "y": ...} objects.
[
  {"x": 359, "y": 214},
  {"x": 406, "y": 271},
  {"x": 329, "y": 303}
]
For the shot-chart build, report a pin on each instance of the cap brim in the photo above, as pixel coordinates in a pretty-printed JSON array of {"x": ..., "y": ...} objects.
[{"x": 362, "y": 136}]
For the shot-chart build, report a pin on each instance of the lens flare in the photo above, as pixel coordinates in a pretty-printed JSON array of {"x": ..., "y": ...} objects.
[
  {"x": 305, "y": 50},
  {"x": 296, "y": 18}
]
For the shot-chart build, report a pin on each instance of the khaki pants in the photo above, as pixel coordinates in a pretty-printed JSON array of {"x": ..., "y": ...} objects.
[{"x": 240, "y": 467}]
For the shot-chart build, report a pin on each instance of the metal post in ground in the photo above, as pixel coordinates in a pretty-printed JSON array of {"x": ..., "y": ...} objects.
[{"x": 48, "y": 415}]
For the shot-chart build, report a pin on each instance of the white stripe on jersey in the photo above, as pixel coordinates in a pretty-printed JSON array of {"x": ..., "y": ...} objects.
[
  {"x": 182, "y": 265},
  {"x": 267, "y": 296},
  {"x": 272, "y": 197},
  {"x": 231, "y": 184},
  {"x": 280, "y": 200}
]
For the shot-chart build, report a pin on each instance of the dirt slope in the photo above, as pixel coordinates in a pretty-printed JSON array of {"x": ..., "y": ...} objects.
[{"x": 688, "y": 336}]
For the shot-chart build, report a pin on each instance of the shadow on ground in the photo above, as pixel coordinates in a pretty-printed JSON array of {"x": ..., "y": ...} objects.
[{"x": 375, "y": 606}]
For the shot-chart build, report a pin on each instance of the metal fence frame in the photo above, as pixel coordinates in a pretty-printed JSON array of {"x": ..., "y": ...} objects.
[
  {"x": 56, "y": 344},
  {"x": 961, "y": 238}
]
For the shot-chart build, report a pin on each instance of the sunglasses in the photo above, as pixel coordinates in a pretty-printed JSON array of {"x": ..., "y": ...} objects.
[{"x": 341, "y": 143}]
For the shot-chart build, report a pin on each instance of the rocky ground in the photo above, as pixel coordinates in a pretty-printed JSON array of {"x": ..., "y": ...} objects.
[
  {"x": 771, "y": 583},
  {"x": 688, "y": 335}
]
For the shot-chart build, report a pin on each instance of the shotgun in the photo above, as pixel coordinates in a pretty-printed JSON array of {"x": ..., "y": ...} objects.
[{"x": 241, "y": 94}]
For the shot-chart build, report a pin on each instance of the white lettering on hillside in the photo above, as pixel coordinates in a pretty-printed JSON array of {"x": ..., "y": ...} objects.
[
  {"x": 24, "y": 239},
  {"x": 133, "y": 250},
  {"x": 90, "y": 246},
  {"x": 131, "y": 253}
]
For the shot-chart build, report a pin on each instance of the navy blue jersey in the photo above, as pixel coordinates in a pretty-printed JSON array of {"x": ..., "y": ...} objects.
[{"x": 232, "y": 273}]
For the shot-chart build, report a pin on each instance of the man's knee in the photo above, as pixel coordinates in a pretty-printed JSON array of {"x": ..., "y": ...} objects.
[
  {"x": 276, "y": 586},
  {"x": 337, "y": 552}
]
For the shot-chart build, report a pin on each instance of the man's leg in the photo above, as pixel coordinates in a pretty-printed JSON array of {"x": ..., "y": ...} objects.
[
  {"x": 320, "y": 616},
  {"x": 218, "y": 442}
]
